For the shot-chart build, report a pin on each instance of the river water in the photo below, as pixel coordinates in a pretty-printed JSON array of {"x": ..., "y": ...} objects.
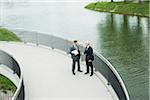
[{"x": 123, "y": 40}]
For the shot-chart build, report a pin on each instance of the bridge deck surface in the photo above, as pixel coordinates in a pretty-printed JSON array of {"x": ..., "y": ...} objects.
[{"x": 47, "y": 75}]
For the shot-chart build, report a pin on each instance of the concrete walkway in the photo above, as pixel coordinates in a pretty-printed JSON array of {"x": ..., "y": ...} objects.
[{"x": 47, "y": 75}]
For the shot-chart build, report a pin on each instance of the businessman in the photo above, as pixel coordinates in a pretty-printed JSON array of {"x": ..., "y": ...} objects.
[
  {"x": 89, "y": 58},
  {"x": 75, "y": 54}
]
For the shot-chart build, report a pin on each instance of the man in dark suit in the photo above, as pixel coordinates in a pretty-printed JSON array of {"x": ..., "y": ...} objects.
[
  {"x": 75, "y": 54},
  {"x": 89, "y": 58}
]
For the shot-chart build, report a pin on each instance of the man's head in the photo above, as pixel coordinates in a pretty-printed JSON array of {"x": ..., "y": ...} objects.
[
  {"x": 75, "y": 41},
  {"x": 87, "y": 43}
]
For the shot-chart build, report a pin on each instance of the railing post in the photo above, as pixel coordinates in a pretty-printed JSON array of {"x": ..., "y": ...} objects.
[
  {"x": 37, "y": 39},
  {"x": 24, "y": 41},
  {"x": 108, "y": 83}
]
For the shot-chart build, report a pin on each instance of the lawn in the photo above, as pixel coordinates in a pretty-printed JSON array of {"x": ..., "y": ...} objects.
[{"x": 128, "y": 8}]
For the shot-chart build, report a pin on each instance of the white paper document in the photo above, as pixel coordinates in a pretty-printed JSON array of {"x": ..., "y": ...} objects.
[{"x": 75, "y": 52}]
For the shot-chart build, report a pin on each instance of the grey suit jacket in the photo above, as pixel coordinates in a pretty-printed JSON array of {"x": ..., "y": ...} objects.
[{"x": 75, "y": 57}]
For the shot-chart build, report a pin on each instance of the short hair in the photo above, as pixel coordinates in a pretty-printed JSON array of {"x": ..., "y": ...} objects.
[
  {"x": 87, "y": 42},
  {"x": 75, "y": 41}
]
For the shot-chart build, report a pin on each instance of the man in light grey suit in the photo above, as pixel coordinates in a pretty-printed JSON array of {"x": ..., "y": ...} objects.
[{"x": 75, "y": 54}]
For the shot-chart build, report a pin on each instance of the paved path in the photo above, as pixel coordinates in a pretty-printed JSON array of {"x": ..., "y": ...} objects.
[{"x": 47, "y": 75}]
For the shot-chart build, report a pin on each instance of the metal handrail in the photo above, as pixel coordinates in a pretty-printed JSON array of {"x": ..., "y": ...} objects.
[
  {"x": 116, "y": 73},
  {"x": 20, "y": 85}
]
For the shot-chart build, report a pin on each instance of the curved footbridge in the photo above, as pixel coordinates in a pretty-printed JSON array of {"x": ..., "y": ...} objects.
[
  {"x": 40, "y": 68},
  {"x": 47, "y": 75}
]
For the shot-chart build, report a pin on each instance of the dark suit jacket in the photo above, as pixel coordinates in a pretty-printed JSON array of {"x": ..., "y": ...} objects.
[
  {"x": 89, "y": 53},
  {"x": 74, "y": 57}
]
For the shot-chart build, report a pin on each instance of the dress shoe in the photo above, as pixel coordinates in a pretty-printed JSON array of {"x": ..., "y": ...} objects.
[
  {"x": 91, "y": 75},
  {"x": 74, "y": 74},
  {"x": 86, "y": 73},
  {"x": 80, "y": 71}
]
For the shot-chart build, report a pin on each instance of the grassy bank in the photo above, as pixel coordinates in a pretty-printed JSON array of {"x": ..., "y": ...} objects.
[
  {"x": 6, "y": 84},
  {"x": 127, "y": 8},
  {"x": 6, "y": 35}
]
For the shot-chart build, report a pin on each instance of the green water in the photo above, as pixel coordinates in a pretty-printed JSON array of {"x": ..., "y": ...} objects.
[{"x": 127, "y": 48}]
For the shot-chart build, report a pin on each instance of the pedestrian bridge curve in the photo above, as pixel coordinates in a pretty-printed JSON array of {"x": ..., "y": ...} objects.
[{"x": 47, "y": 75}]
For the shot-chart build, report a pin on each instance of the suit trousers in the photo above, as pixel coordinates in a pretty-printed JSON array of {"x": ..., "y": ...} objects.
[
  {"x": 89, "y": 65},
  {"x": 74, "y": 64}
]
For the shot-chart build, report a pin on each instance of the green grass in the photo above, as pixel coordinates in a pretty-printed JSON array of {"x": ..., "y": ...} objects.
[
  {"x": 6, "y": 35},
  {"x": 127, "y": 8},
  {"x": 6, "y": 84}
]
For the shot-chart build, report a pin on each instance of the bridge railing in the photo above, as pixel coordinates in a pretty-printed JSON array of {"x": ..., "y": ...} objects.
[
  {"x": 11, "y": 63},
  {"x": 101, "y": 64}
]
